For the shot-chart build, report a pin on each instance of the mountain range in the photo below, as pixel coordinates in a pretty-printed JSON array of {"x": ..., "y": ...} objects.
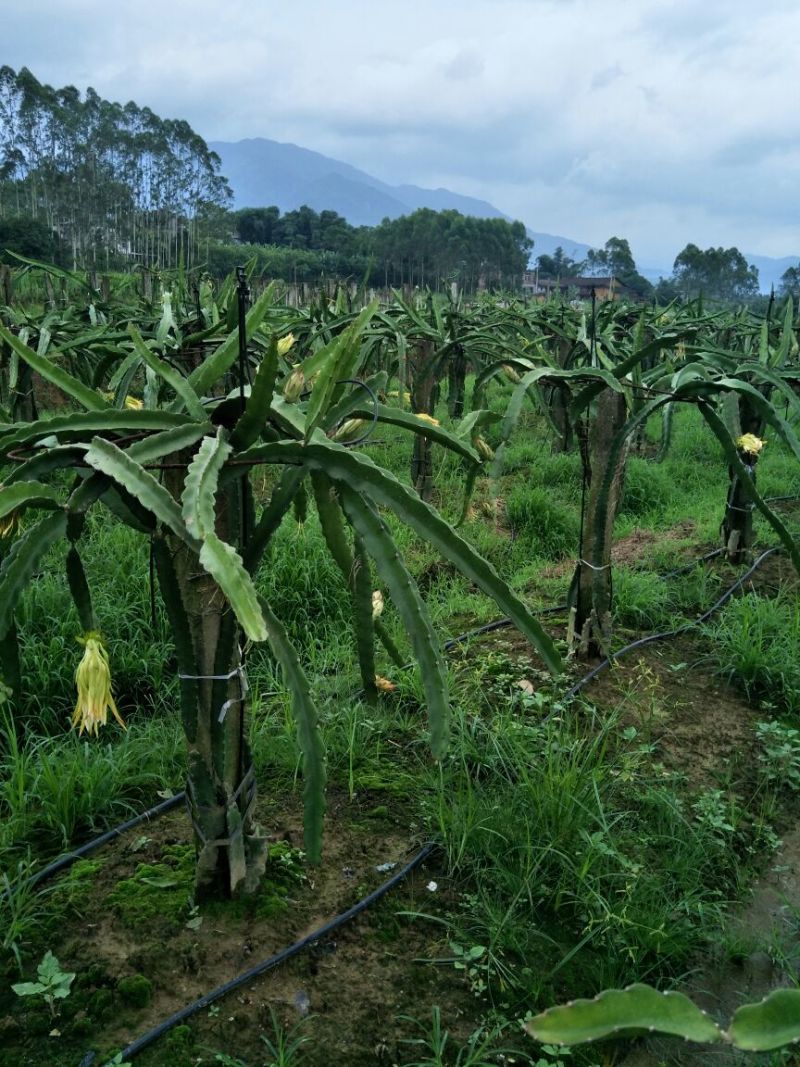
[{"x": 264, "y": 173}]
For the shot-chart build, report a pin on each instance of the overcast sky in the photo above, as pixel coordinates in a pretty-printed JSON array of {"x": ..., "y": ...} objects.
[{"x": 663, "y": 121}]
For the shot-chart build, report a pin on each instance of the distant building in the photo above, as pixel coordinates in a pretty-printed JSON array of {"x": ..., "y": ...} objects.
[{"x": 608, "y": 288}]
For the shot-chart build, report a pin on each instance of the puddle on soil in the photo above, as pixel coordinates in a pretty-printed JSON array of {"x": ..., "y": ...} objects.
[{"x": 770, "y": 926}]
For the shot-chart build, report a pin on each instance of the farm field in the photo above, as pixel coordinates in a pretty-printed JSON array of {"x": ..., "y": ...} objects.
[{"x": 334, "y": 502}]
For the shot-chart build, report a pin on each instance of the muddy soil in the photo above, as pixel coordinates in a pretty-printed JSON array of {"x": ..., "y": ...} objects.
[{"x": 354, "y": 997}]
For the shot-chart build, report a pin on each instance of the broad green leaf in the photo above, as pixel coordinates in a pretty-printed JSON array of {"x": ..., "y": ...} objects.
[
  {"x": 338, "y": 366},
  {"x": 106, "y": 457},
  {"x": 773, "y": 1023},
  {"x": 213, "y": 368},
  {"x": 27, "y": 494},
  {"x": 225, "y": 566},
  {"x": 359, "y": 473},
  {"x": 64, "y": 381},
  {"x": 79, "y": 424},
  {"x": 171, "y": 376},
  {"x": 437, "y": 433},
  {"x": 200, "y": 487},
  {"x": 257, "y": 408},
  {"x": 619, "y": 1012},
  {"x": 305, "y": 713},
  {"x": 406, "y": 597},
  {"x": 177, "y": 439},
  {"x": 23, "y": 560}
]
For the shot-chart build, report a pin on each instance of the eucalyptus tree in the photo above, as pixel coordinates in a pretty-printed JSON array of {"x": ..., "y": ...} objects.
[
  {"x": 178, "y": 470},
  {"x": 115, "y": 182}
]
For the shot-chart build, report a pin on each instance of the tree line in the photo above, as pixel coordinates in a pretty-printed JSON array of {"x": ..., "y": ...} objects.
[
  {"x": 107, "y": 182},
  {"x": 91, "y": 183},
  {"x": 425, "y": 248},
  {"x": 721, "y": 274}
]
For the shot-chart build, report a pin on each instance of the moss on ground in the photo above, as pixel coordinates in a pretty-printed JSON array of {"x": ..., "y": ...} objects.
[{"x": 157, "y": 891}]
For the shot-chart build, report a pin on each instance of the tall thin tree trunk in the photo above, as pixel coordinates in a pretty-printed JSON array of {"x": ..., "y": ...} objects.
[
  {"x": 221, "y": 786},
  {"x": 422, "y": 383},
  {"x": 590, "y": 621},
  {"x": 737, "y": 522}
]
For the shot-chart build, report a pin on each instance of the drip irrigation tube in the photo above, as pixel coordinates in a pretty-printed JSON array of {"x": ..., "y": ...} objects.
[
  {"x": 694, "y": 563},
  {"x": 666, "y": 634},
  {"x": 71, "y": 857},
  {"x": 490, "y": 627},
  {"x": 266, "y": 965}
]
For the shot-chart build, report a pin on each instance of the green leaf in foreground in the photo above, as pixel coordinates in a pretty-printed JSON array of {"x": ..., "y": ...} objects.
[{"x": 620, "y": 1012}]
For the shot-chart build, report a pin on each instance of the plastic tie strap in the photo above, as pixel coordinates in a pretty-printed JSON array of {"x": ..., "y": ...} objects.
[
  {"x": 249, "y": 781},
  {"x": 213, "y": 677},
  {"x": 592, "y": 567},
  {"x": 745, "y": 510}
]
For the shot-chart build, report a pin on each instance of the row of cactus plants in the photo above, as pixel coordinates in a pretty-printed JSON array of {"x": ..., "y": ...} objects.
[{"x": 177, "y": 468}]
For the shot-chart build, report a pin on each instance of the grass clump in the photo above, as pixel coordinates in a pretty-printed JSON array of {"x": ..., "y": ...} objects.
[
  {"x": 756, "y": 641},
  {"x": 543, "y": 526},
  {"x": 573, "y": 851},
  {"x": 136, "y": 991},
  {"x": 641, "y": 599},
  {"x": 648, "y": 489}
]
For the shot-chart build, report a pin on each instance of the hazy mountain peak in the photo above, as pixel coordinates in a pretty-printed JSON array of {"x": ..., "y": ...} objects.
[{"x": 263, "y": 172}]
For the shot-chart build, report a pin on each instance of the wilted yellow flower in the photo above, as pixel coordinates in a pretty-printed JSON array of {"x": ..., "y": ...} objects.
[
  {"x": 680, "y": 351},
  {"x": 93, "y": 679},
  {"x": 295, "y": 384},
  {"x": 427, "y": 418},
  {"x": 10, "y": 525},
  {"x": 384, "y": 685},
  {"x": 511, "y": 374},
  {"x": 285, "y": 344},
  {"x": 377, "y": 603},
  {"x": 750, "y": 444}
]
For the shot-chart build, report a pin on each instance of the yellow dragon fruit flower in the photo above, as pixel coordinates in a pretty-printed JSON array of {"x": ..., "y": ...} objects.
[
  {"x": 427, "y": 418},
  {"x": 750, "y": 444},
  {"x": 295, "y": 384},
  {"x": 383, "y": 685},
  {"x": 377, "y": 603},
  {"x": 285, "y": 344},
  {"x": 93, "y": 679},
  {"x": 10, "y": 525}
]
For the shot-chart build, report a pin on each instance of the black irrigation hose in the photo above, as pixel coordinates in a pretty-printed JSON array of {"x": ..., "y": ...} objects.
[
  {"x": 498, "y": 624},
  {"x": 267, "y": 965},
  {"x": 695, "y": 563},
  {"x": 71, "y": 857},
  {"x": 666, "y": 634}
]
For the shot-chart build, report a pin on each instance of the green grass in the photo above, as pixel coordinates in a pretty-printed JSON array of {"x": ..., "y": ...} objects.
[{"x": 756, "y": 641}]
